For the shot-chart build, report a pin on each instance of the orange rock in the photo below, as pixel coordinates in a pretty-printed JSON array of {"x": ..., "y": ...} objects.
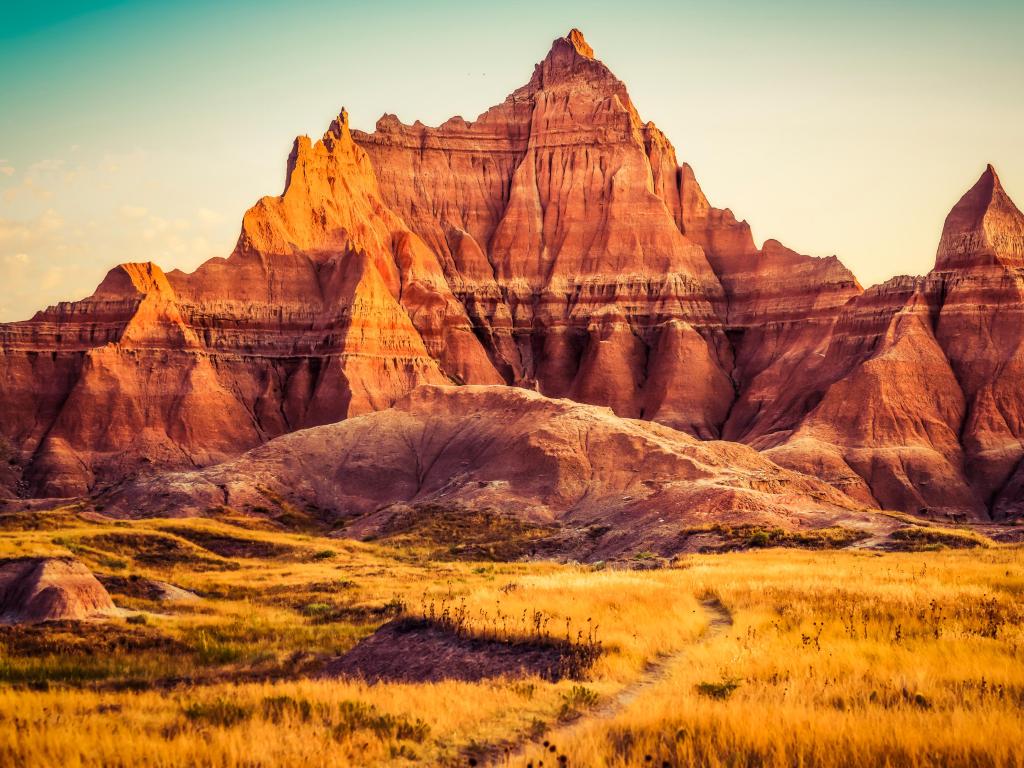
[
  {"x": 554, "y": 243},
  {"x": 37, "y": 589}
]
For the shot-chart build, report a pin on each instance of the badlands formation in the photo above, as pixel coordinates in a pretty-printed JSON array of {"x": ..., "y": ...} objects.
[
  {"x": 38, "y": 589},
  {"x": 555, "y": 245},
  {"x": 586, "y": 482}
]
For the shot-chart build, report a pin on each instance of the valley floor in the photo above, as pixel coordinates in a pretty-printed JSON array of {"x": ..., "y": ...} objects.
[{"x": 770, "y": 657}]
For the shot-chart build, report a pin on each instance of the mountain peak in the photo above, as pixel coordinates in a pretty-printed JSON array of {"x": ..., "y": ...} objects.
[
  {"x": 985, "y": 227},
  {"x": 571, "y": 58},
  {"x": 576, "y": 40},
  {"x": 337, "y": 130}
]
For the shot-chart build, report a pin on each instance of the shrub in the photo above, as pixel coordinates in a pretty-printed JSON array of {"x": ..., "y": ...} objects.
[
  {"x": 317, "y": 610},
  {"x": 220, "y": 712},
  {"x": 721, "y": 691},
  {"x": 359, "y": 716},
  {"x": 578, "y": 698},
  {"x": 277, "y": 708},
  {"x": 923, "y": 538},
  {"x": 760, "y": 539}
]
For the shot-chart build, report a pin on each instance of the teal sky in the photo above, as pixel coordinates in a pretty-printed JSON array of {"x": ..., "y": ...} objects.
[{"x": 143, "y": 130}]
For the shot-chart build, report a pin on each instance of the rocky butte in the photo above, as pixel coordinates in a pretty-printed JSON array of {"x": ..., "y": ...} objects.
[{"x": 555, "y": 244}]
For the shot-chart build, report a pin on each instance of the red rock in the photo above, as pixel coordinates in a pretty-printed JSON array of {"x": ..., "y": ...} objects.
[
  {"x": 919, "y": 392},
  {"x": 980, "y": 326},
  {"x": 545, "y": 215},
  {"x": 984, "y": 229},
  {"x": 554, "y": 243},
  {"x": 37, "y": 589},
  {"x": 520, "y": 454}
]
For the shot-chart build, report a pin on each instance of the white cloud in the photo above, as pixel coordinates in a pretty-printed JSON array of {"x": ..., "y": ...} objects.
[
  {"x": 34, "y": 190},
  {"x": 46, "y": 165},
  {"x": 115, "y": 163},
  {"x": 50, "y": 221},
  {"x": 6, "y": 170},
  {"x": 51, "y": 278},
  {"x": 10, "y": 230},
  {"x": 16, "y": 258},
  {"x": 133, "y": 211},
  {"x": 208, "y": 217}
]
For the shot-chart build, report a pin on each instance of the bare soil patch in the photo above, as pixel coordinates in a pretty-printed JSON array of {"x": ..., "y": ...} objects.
[
  {"x": 226, "y": 545},
  {"x": 144, "y": 588},
  {"x": 416, "y": 650}
]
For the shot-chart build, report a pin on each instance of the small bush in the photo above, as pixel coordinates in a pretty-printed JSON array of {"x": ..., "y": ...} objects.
[
  {"x": 210, "y": 650},
  {"x": 220, "y": 712},
  {"x": 760, "y": 539},
  {"x": 720, "y": 691},
  {"x": 317, "y": 610},
  {"x": 578, "y": 698},
  {"x": 277, "y": 708},
  {"x": 358, "y": 716},
  {"x": 923, "y": 538}
]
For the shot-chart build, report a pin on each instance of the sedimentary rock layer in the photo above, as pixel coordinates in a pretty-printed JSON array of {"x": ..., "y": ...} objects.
[
  {"x": 555, "y": 243},
  {"x": 37, "y": 589},
  {"x": 635, "y": 485}
]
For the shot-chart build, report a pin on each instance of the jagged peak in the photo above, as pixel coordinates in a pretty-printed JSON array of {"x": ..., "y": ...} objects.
[
  {"x": 338, "y": 130},
  {"x": 984, "y": 227},
  {"x": 132, "y": 278},
  {"x": 568, "y": 55},
  {"x": 338, "y": 135},
  {"x": 576, "y": 40}
]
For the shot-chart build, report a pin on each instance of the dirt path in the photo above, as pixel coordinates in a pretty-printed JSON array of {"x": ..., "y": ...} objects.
[{"x": 719, "y": 621}]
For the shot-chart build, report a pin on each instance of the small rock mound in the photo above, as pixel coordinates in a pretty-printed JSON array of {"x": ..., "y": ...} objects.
[
  {"x": 411, "y": 650},
  {"x": 148, "y": 589},
  {"x": 37, "y": 589}
]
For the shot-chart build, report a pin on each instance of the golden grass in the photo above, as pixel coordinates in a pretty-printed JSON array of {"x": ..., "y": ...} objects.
[
  {"x": 834, "y": 658},
  {"x": 838, "y": 659}
]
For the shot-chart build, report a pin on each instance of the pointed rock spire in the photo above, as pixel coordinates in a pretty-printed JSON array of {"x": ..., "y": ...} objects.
[
  {"x": 985, "y": 227},
  {"x": 576, "y": 40},
  {"x": 567, "y": 55},
  {"x": 338, "y": 130}
]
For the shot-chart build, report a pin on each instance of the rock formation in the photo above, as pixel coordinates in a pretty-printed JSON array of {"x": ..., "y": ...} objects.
[
  {"x": 37, "y": 589},
  {"x": 556, "y": 244},
  {"x": 917, "y": 401},
  {"x": 516, "y": 452}
]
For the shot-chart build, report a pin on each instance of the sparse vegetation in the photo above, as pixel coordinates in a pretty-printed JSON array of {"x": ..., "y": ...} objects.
[
  {"x": 925, "y": 538},
  {"x": 904, "y": 658},
  {"x": 721, "y": 690},
  {"x": 734, "y": 537},
  {"x": 575, "y": 701},
  {"x": 456, "y": 533}
]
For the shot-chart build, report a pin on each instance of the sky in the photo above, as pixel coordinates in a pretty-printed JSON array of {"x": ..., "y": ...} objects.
[{"x": 142, "y": 131}]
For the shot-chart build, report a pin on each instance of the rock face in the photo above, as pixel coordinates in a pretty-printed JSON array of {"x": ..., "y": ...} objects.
[
  {"x": 523, "y": 455},
  {"x": 37, "y": 589},
  {"x": 917, "y": 401},
  {"x": 556, "y": 244}
]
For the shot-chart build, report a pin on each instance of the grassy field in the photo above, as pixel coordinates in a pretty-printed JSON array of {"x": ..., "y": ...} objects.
[{"x": 761, "y": 657}]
